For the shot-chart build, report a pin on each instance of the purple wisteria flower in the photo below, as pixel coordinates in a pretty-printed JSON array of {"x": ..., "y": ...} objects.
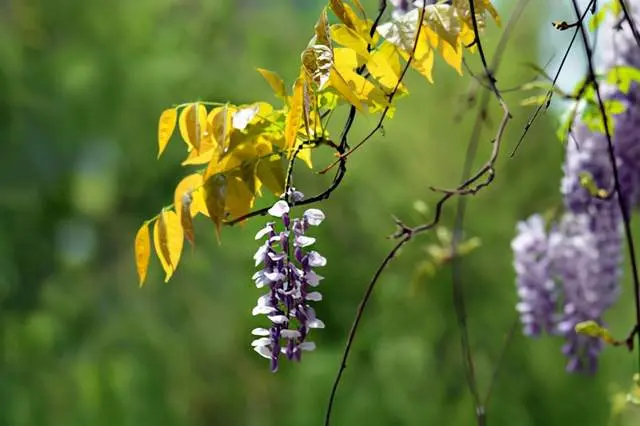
[
  {"x": 565, "y": 276},
  {"x": 571, "y": 274},
  {"x": 535, "y": 284},
  {"x": 586, "y": 252},
  {"x": 288, "y": 275}
]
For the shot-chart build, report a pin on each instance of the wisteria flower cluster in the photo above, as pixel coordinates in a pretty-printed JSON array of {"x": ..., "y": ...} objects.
[
  {"x": 570, "y": 272},
  {"x": 288, "y": 275}
]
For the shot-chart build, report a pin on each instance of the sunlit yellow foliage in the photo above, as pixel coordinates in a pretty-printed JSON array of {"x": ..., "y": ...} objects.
[{"x": 237, "y": 153}]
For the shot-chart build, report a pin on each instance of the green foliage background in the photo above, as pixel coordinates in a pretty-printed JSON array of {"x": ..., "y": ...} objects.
[{"x": 81, "y": 86}]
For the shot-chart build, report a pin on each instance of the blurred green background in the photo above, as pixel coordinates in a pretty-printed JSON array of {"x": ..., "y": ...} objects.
[{"x": 82, "y": 84}]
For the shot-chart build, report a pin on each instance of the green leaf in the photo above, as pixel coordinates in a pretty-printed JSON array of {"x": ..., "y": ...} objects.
[
  {"x": 622, "y": 76},
  {"x": 592, "y": 116},
  {"x": 534, "y": 100},
  {"x": 593, "y": 329},
  {"x": 587, "y": 182},
  {"x": 569, "y": 118},
  {"x": 596, "y": 20}
]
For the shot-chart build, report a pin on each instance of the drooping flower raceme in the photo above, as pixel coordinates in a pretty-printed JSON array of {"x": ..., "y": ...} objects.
[
  {"x": 288, "y": 276},
  {"x": 583, "y": 253},
  {"x": 587, "y": 254},
  {"x": 568, "y": 275},
  {"x": 535, "y": 284}
]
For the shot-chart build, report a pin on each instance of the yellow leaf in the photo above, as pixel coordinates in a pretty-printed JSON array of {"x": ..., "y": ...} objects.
[
  {"x": 481, "y": 8},
  {"x": 452, "y": 56},
  {"x": 186, "y": 221},
  {"x": 239, "y": 199},
  {"x": 350, "y": 19},
  {"x": 168, "y": 240},
  {"x": 340, "y": 11},
  {"x": 276, "y": 83},
  {"x": 142, "y": 251},
  {"x": 440, "y": 26},
  {"x": 248, "y": 175},
  {"x": 166, "y": 126},
  {"x": 345, "y": 58},
  {"x": 401, "y": 31},
  {"x": 185, "y": 190},
  {"x": 317, "y": 59},
  {"x": 305, "y": 155},
  {"x": 308, "y": 107},
  {"x": 347, "y": 37},
  {"x": 384, "y": 66},
  {"x": 220, "y": 126},
  {"x": 196, "y": 158},
  {"x": 365, "y": 90},
  {"x": 342, "y": 87},
  {"x": 360, "y": 8},
  {"x": 197, "y": 203},
  {"x": 294, "y": 116},
  {"x": 264, "y": 144},
  {"x": 424, "y": 65},
  {"x": 322, "y": 31},
  {"x": 215, "y": 192},
  {"x": 492, "y": 11},
  {"x": 193, "y": 125},
  {"x": 221, "y": 129},
  {"x": 468, "y": 36},
  {"x": 423, "y": 56},
  {"x": 209, "y": 146},
  {"x": 270, "y": 171}
]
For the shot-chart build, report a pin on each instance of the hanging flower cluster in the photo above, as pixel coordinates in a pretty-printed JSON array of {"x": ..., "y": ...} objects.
[
  {"x": 571, "y": 272},
  {"x": 536, "y": 287},
  {"x": 287, "y": 273}
]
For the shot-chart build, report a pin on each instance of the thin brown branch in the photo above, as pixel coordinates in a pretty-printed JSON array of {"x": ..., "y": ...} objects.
[
  {"x": 356, "y": 322},
  {"x": 629, "y": 19},
  {"x": 405, "y": 233},
  {"x": 342, "y": 147},
  {"x": 549, "y": 94},
  {"x": 390, "y": 97}
]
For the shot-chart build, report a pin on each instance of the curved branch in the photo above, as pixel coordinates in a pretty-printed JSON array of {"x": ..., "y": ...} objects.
[{"x": 404, "y": 233}]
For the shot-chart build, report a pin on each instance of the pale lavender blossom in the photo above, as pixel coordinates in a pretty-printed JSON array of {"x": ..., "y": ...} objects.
[
  {"x": 287, "y": 273},
  {"x": 586, "y": 253},
  {"x": 567, "y": 275},
  {"x": 535, "y": 285},
  {"x": 583, "y": 253}
]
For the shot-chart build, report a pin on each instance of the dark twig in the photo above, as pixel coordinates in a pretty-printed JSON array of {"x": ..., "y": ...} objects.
[
  {"x": 496, "y": 370},
  {"x": 356, "y": 322},
  {"x": 549, "y": 94},
  {"x": 629, "y": 19},
  {"x": 622, "y": 201},
  {"x": 390, "y": 97},
  {"x": 404, "y": 233},
  {"x": 341, "y": 148},
  {"x": 480, "y": 405}
]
